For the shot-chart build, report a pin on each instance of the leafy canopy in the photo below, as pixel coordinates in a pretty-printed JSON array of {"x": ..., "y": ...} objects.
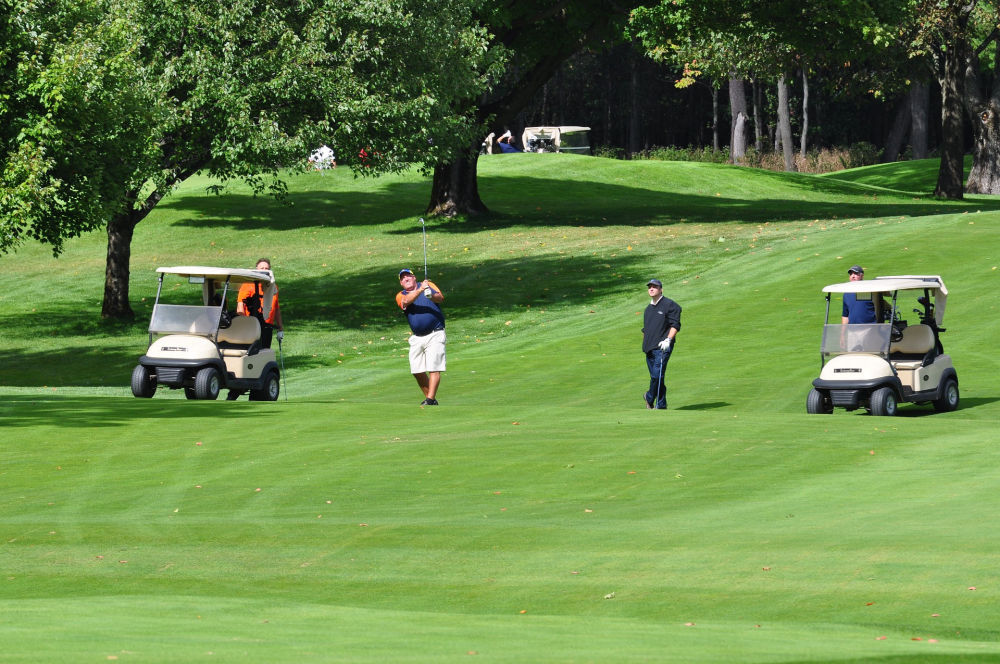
[{"x": 105, "y": 105}]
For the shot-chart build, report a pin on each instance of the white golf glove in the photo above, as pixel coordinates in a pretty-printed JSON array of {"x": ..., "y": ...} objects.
[
  {"x": 665, "y": 344},
  {"x": 281, "y": 335},
  {"x": 428, "y": 292}
]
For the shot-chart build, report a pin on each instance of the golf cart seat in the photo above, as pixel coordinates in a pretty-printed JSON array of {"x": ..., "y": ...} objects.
[
  {"x": 239, "y": 338},
  {"x": 911, "y": 350}
]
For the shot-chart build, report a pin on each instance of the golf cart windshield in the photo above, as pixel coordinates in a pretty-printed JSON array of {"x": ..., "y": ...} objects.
[
  {"x": 184, "y": 319},
  {"x": 856, "y": 338}
]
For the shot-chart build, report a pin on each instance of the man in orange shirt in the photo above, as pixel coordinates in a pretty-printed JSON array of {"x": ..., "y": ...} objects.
[{"x": 252, "y": 292}]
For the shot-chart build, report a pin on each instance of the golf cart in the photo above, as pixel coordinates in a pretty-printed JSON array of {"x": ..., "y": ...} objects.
[
  {"x": 878, "y": 365},
  {"x": 202, "y": 347},
  {"x": 556, "y": 139}
]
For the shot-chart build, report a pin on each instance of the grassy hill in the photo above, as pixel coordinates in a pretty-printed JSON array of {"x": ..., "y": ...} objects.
[{"x": 541, "y": 513}]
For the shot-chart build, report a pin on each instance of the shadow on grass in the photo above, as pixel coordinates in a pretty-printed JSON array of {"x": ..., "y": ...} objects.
[
  {"x": 327, "y": 302},
  {"x": 709, "y": 405},
  {"x": 89, "y": 412},
  {"x": 325, "y": 209},
  {"x": 472, "y": 290},
  {"x": 911, "y": 176},
  {"x": 530, "y": 200}
]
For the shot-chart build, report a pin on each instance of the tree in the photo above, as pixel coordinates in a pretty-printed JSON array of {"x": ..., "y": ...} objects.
[
  {"x": 770, "y": 39},
  {"x": 942, "y": 29},
  {"x": 536, "y": 36},
  {"x": 114, "y": 102}
]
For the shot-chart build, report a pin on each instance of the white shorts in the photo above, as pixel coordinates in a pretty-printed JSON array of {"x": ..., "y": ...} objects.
[{"x": 427, "y": 352}]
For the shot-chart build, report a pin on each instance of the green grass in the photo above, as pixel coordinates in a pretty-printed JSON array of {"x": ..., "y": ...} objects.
[{"x": 541, "y": 514}]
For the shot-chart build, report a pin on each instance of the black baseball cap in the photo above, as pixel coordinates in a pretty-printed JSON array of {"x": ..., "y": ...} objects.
[
  {"x": 857, "y": 269},
  {"x": 655, "y": 282}
]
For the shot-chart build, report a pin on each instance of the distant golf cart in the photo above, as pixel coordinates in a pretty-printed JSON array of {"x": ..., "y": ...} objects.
[
  {"x": 556, "y": 139},
  {"x": 201, "y": 347},
  {"x": 879, "y": 365}
]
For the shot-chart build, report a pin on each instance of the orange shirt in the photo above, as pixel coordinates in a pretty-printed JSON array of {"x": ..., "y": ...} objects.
[{"x": 250, "y": 289}]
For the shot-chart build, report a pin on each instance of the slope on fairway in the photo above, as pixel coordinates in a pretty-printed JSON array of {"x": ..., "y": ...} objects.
[{"x": 541, "y": 514}]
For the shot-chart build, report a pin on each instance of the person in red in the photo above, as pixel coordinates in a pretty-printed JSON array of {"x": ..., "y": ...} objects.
[
  {"x": 421, "y": 302},
  {"x": 273, "y": 320}
]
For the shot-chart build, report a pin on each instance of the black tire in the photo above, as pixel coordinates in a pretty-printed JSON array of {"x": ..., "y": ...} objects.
[
  {"x": 818, "y": 403},
  {"x": 949, "y": 397},
  {"x": 189, "y": 393},
  {"x": 271, "y": 389},
  {"x": 207, "y": 383},
  {"x": 883, "y": 402},
  {"x": 143, "y": 385}
]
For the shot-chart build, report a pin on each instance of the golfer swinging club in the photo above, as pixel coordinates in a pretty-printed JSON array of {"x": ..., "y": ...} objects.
[
  {"x": 421, "y": 304},
  {"x": 660, "y": 324}
]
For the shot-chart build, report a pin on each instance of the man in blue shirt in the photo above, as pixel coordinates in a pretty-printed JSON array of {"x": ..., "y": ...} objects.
[
  {"x": 421, "y": 304},
  {"x": 855, "y": 310}
]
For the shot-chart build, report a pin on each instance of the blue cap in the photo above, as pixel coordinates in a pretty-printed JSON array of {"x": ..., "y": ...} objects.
[
  {"x": 405, "y": 270},
  {"x": 654, "y": 282}
]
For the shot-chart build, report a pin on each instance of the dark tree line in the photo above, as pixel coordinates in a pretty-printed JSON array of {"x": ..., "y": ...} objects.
[{"x": 632, "y": 104}]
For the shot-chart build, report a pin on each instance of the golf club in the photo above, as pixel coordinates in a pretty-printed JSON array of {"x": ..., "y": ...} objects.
[
  {"x": 659, "y": 382},
  {"x": 281, "y": 359},
  {"x": 423, "y": 230}
]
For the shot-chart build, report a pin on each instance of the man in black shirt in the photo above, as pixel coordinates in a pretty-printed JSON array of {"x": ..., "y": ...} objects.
[{"x": 660, "y": 324}]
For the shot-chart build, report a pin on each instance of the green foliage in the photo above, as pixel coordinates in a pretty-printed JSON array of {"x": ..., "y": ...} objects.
[
  {"x": 703, "y": 154},
  {"x": 109, "y": 104}
]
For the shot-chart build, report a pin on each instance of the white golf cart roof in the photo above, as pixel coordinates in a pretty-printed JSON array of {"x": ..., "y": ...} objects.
[
  {"x": 898, "y": 283},
  {"x": 553, "y": 130},
  {"x": 235, "y": 276}
]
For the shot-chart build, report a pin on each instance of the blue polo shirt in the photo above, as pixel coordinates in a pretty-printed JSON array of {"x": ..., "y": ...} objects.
[
  {"x": 424, "y": 314},
  {"x": 858, "y": 311}
]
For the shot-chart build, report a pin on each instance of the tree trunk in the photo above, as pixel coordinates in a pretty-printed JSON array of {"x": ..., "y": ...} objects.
[
  {"x": 785, "y": 125},
  {"x": 715, "y": 118},
  {"x": 919, "y": 105},
  {"x": 633, "y": 116},
  {"x": 804, "y": 138},
  {"x": 116, "y": 271},
  {"x": 951, "y": 170},
  {"x": 900, "y": 124},
  {"x": 984, "y": 176},
  {"x": 455, "y": 189},
  {"x": 737, "y": 105},
  {"x": 758, "y": 139},
  {"x": 740, "y": 138}
]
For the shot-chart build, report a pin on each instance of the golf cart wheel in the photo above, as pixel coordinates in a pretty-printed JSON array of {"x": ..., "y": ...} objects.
[
  {"x": 189, "y": 393},
  {"x": 207, "y": 383},
  {"x": 271, "y": 389},
  {"x": 883, "y": 402},
  {"x": 818, "y": 403},
  {"x": 143, "y": 385},
  {"x": 949, "y": 399}
]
